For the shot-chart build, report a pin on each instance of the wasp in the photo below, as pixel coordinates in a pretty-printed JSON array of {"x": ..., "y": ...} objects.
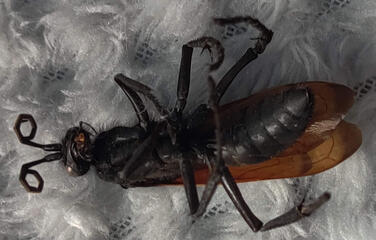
[{"x": 284, "y": 132}]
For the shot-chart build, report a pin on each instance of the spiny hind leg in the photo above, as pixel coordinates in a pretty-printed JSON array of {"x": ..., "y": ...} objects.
[
  {"x": 296, "y": 213},
  {"x": 291, "y": 216}
]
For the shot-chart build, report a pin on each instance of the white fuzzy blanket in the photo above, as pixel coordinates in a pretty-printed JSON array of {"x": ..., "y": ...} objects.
[{"x": 57, "y": 62}]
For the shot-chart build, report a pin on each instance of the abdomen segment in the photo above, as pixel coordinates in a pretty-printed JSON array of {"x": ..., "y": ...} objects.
[{"x": 268, "y": 127}]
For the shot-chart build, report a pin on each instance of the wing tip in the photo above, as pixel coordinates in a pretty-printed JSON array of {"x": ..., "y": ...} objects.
[
  {"x": 346, "y": 140},
  {"x": 339, "y": 97}
]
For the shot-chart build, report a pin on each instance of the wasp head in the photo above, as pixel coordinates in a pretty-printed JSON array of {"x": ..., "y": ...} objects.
[{"x": 76, "y": 149}]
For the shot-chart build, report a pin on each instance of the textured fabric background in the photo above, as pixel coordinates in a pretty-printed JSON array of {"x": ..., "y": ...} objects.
[{"x": 57, "y": 62}]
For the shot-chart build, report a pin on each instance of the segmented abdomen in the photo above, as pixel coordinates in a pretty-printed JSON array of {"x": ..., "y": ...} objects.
[{"x": 268, "y": 127}]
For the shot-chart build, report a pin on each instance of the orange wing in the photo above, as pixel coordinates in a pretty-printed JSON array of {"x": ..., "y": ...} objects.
[{"x": 341, "y": 144}]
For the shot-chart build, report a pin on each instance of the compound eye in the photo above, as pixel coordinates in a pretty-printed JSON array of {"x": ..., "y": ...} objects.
[
  {"x": 69, "y": 169},
  {"x": 72, "y": 170},
  {"x": 76, "y": 169}
]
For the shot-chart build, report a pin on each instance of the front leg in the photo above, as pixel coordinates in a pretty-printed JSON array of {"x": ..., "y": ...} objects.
[
  {"x": 128, "y": 83},
  {"x": 136, "y": 102}
]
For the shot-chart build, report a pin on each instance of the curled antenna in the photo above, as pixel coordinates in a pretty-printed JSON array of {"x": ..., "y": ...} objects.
[{"x": 25, "y": 169}]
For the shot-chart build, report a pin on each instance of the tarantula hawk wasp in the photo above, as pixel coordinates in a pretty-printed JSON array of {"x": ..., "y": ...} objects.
[{"x": 288, "y": 131}]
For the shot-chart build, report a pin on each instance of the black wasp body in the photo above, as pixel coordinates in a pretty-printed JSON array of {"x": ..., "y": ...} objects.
[
  {"x": 248, "y": 131},
  {"x": 261, "y": 131}
]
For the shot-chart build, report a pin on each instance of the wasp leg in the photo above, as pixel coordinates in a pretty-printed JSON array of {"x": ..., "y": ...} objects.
[
  {"x": 185, "y": 66},
  {"x": 218, "y": 163},
  {"x": 206, "y": 43},
  {"x": 209, "y": 43},
  {"x": 187, "y": 174},
  {"x": 236, "y": 197},
  {"x": 250, "y": 55},
  {"x": 184, "y": 78},
  {"x": 123, "y": 80},
  {"x": 175, "y": 118},
  {"x": 296, "y": 213},
  {"x": 208, "y": 193},
  {"x": 221, "y": 173},
  {"x": 137, "y": 104},
  {"x": 186, "y": 168}
]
